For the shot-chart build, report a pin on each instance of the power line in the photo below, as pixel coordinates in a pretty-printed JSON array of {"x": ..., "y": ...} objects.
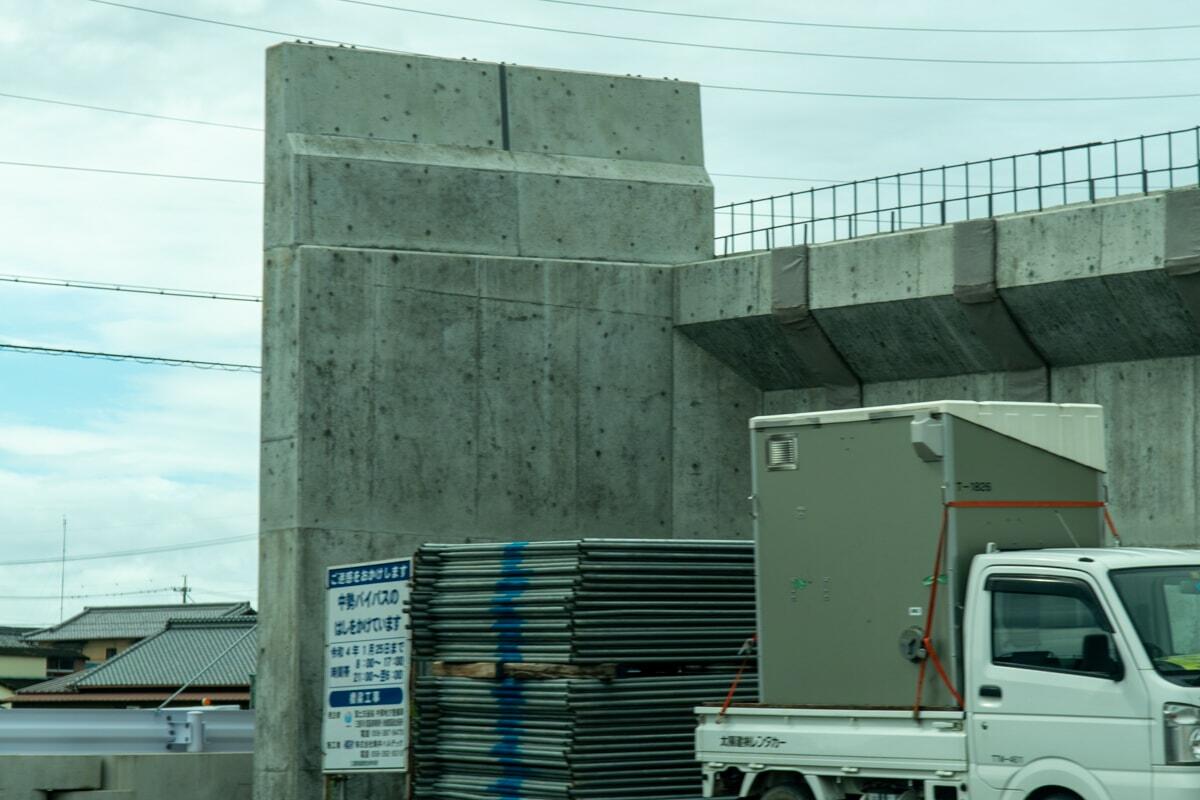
[
  {"x": 230, "y": 595},
  {"x": 128, "y": 172},
  {"x": 845, "y": 26},
  {"x": 777, "y": 178},
  {"x": 158, "y": 360},
  {"x": 170, "y": 548},
  {"x": 956, "y": 98},
  {"x": 129, "y": 288},
  {"x": 763, "y": 90},
  {"x": 83, "y": 596},
  {"x": 770, "y": 51},
  {"x": 51, "y": 101},
  {"x": 146, "y": 525},
  {"x": 226, "y": 24}
]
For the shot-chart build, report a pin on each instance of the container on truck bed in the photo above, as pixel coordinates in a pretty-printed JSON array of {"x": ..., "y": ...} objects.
[{"x": 939, "y": 617}]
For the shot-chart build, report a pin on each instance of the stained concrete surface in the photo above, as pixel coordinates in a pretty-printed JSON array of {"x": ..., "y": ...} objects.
[
  {"x": 180, "y": 776},
  {"x": 468, "y": 335},
  {"x": 524, "y": 335}
]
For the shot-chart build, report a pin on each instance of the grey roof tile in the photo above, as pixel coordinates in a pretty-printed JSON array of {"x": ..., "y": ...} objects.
[
  {"x": 63, "y": 683},
  {"x": 131, "y": 622},
  {"x": 175, "y": 655}
]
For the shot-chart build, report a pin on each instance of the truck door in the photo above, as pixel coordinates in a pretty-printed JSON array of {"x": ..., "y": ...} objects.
[{"x": 1052, "y": 691}]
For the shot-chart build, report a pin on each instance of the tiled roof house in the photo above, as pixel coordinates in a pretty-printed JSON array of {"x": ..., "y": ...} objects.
[
  {"x": 23, "y": 663},
  {"x": 214, "y": 657},
  {"x": 102, "y": 632}
]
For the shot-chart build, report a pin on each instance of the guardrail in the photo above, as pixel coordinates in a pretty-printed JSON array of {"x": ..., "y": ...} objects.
[
  {"x": 970, "y": 190},
  {"x": 108, "y": 731}
]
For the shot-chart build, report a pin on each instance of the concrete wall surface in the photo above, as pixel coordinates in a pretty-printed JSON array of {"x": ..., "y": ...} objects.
[
  {"x": 492, "y": 312},
  {"x": 469, "y": 304},
  {"x": 180, "y": 776}
]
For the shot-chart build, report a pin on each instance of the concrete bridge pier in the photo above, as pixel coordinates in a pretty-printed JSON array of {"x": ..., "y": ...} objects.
[{"x": 469, "y": 315}]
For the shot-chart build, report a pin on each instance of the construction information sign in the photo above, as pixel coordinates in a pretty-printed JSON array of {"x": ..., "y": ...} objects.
[{"x": 367, "y": 652}]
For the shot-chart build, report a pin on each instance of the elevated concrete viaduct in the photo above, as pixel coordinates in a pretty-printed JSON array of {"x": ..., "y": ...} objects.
[{"x": 492, "y": 312}]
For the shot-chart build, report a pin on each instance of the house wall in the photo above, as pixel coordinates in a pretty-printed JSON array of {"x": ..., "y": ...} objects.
[
  {"x": 95, "y": 649},
  {"x": 22, "y": 667}
]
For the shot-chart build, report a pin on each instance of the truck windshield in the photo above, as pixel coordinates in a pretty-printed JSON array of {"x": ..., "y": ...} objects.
[{"x": 1164, "y": 603}]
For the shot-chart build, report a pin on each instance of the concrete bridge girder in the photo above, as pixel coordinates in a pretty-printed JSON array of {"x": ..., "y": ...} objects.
[{"x": 1113, "y": 281}]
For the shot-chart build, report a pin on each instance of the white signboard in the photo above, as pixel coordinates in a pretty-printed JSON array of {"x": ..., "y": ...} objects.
[{"x": 367, "y": 650}]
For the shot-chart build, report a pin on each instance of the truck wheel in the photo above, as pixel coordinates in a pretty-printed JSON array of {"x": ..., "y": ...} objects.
[{"x": 787, "y": 791}]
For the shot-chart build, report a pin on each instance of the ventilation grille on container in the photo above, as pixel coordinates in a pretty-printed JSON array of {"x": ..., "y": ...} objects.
[{"x": 781, "y": 451}]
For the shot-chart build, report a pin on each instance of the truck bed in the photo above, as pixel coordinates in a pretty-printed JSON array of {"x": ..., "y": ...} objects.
[{"x": 832, "y": 741}]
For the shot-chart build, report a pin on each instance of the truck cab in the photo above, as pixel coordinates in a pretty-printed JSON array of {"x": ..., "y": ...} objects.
[
  {"x": 1082, "y": 683},
  {"x": 1083, "y": 672},
  {"x": 1019, "y": 654}
]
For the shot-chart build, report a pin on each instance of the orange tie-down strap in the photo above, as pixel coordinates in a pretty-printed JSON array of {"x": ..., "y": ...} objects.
[{"x": 926, "y": 641}]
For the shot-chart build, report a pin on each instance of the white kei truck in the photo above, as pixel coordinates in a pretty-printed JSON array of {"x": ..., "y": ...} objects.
[{"x": 944, "y": 613}]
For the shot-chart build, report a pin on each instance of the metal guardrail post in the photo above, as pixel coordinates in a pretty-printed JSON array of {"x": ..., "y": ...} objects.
[{"x": 195, "y": 724}]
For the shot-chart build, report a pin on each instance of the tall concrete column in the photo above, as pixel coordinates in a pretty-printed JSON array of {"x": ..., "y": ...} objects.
[{"x": 468, "y": 329}]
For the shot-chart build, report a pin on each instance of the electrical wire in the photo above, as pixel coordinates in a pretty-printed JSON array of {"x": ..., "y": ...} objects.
[
  {"x": 777, "y": 178},
  {"x": 953, "y": 98},
  {"x": 84, "y": 596},
  {"x": 158, "y": 526},
  {"x": 128, "y": 172},
  {"x": 228, "y": 595},
  {"x": 169, "y": 548},
  {"x": 846, "y": 26},
  {"x": 109, "y": 109},
  {"x": 129, "y": 288},
  {"x": 157, "y": 360},
  {"x": 763, "y": 90},
  {"x": 225, "y": 24},
  {"x": 770, "y": 51}
]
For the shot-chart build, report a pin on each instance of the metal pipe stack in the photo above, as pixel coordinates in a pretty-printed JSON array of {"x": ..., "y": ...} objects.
[{"x": 663, "y": 621}]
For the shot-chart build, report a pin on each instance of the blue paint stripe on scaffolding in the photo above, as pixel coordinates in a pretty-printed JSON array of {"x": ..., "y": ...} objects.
[
  {"x": 506, "y": 591},
  {"x": 511, "y": 699}
]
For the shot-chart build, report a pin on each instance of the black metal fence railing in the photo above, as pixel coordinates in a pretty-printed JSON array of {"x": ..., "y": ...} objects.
[{"x": 974, "y": 189}]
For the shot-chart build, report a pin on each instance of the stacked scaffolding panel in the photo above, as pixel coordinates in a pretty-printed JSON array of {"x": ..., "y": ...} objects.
[
  {"x": 591, "y": 601},
  {"x": 630, "y": 634}
]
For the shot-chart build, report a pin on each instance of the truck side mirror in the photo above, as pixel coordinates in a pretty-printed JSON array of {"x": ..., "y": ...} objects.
[{"x": 1100, "y": 657}]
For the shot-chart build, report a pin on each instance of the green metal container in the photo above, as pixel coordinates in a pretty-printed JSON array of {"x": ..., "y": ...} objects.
[{"x": 848, "y": 509}]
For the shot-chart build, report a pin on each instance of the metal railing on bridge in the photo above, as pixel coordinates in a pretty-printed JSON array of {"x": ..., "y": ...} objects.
[{"x": 970, "y": 190}]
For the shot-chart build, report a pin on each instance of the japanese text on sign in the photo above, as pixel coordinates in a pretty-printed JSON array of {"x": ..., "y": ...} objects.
[{"x": 366, "y": 719}]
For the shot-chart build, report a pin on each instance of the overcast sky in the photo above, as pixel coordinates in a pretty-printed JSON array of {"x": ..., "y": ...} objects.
[{"x": 140, "y": 456}]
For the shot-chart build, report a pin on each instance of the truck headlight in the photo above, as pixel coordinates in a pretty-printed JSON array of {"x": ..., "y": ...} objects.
[{"x": 1181, "y": 725}]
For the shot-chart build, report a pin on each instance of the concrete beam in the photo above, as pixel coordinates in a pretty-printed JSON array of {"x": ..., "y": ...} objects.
[
  {"x": 752, "y": 313},
  {"x": 1103, "y": 282},
  {"x": 405, "y": 152},
  {"x": 604, "y": 116},
  {"x": 888, "y": 305},
  {"x": 1009, "y": 297},
  {"x": 1026, "y": 375},
  {"x": 1181, "y": 258}
]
